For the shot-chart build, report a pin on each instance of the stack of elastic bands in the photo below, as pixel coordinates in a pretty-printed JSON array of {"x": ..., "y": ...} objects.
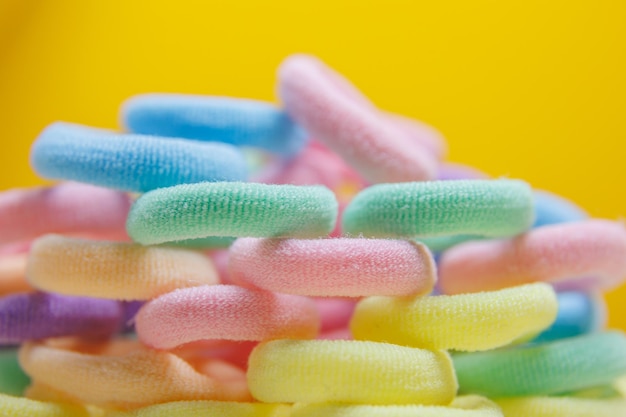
[{"x": 230, "y": 258}]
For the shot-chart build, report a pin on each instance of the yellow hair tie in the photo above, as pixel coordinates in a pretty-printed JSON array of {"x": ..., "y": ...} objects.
[
  {"x": 562, "y": 407},
  {"x": 24, "y": 407},
  {"x": 349, "y": 371},
  {"x": 464, "y": 406},
  {"x": 123, "y": 271},
  {"x": 207, "y": 409},
  {"x": 464, "y": 322},
  {"x": 123, "y": 375}
]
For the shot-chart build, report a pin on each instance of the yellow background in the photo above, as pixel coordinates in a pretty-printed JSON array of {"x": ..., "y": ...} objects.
[{"x": 525, "y": 89}]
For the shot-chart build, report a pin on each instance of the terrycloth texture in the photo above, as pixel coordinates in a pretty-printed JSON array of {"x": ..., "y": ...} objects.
[
  {"x": 421, "y": 133},
  {"x": 233, "y": 352},
  {"x": 465, "y": 322},
  {"x": 544, "y": 369},
  {"x": 13, "y": 274},
  {"x": 553, "y": 209},
  {"x": 592, "y": 248},
  {"x": 13, "y": 380},
  {"x": 67, "y": 208},
  {"x": 210, "y": 242},
  {"x": 122, "y": 375},
  {"x": 464, "y": 406},
  {"x": 562, "y": 407},
  {"x": 492, "y": 208},
  {"x": 438, "y": 244},
  {"x": 240, "y": 122},
  {"x": 24, "y": 407},
  {"x": 225, "y": 312},
  {"x": 131, "y": 162},
  {"x": 232, "y": 209},
  {"x": 579, "y": 313},
  {"x": 335, "y": 313},
  {"x": 340, "y": 267},
  {"x": 39, "y": 315},
  {"x": 349, "y": 371},
  {"x": 338, "y": 115},
  {"x": 123, "y": 271},
  {"x": 452, "y": 171},
  {"x": 208, "y": 409}
]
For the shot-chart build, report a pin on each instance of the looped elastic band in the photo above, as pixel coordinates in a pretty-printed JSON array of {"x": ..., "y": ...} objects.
[
  {"x": 340, "y": 267},
  {"x": 349, "y": 371},
  {"x": 122, "y": 375},
  {"x": 13, "y": 380},
  {"x": 465, "y": 322},
  {"x": 463, "y": 406},
  {"x": 561, "y": 252},
  {"x": 338, "y": 115},
  {"x": 562, "y": 407},
  {"x": 67, "y": 208},
  {"x": 38, "y": 316},
  {"x": 240, "y": 122},
  {"x": 232, "y": 209},
  {"x": 491, "y": 208},
  {"x": 225, "y": 312},
  {"x": 123, "y": 271},
  {"x": 19, "y": 406},
  {"x": 128, "y": 162},
  {"x": 553, "y": 209},
  {"x": 544, "y": 369},
  {"x": 13, "y": 274},
  {"x": 208, "y": 408}
]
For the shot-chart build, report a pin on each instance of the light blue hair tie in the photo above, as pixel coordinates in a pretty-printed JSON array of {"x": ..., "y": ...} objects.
[
  {"x": 239, "y": 122},
  {"x": 135, "y": 163},
  {"x": 552, "y": 209}
]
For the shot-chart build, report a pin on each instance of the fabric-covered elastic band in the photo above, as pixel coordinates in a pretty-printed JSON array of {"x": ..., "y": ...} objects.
[
  {"x": 67, "y": 208},
  {"x": 225, "y": 312},
  {"x": 338, "y": 115},
  {"x": 19, "y": 407},
  {"x": 240, "y": 122},
  {"x": 492, "y": 208},
  {"x": 464, "y": 322},
  {"x": 553, "y": 209},
  {"x": 562, "y": 407},
  {"x": 123, "y": 271},
  {"x": 544, "y": 369},
  {"x": 232, "y": 209},
  {"x": 122, "y": 375},
  {"x": 349, "y": 371},
  {"x": 38, "y": 315},
  {"x": 13, "y": 380},
  {"x": 13, "y": 274},
  {"x": 128, "y": 162},
  {"x": 560, "y": 252},
  {"x": 206, "y": 409},
  {"x": 341, "y": 267}
]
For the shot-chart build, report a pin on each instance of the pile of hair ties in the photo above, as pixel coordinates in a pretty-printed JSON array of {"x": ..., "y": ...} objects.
[{"x": 229, "y": 258}]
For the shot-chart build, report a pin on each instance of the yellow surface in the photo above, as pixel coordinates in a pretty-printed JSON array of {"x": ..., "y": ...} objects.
[{"x": 531, "y": 89}]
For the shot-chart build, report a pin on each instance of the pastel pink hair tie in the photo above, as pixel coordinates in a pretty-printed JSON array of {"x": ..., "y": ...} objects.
[
  {"x": 343, "y": 267},
  {"x": 66, "y": 208},
  {"x": 13, "y": 274},
  {"x": 225, "y": 312},
  {"x": 338, "y": 115},
  {"x": 556, "y": 253}
]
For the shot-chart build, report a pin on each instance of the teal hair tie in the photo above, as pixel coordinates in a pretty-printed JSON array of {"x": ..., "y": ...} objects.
[
  {"x": 235, "y": 209},
  {"x": 492, "y": 208},
  {"x": 551, "y": 368}
]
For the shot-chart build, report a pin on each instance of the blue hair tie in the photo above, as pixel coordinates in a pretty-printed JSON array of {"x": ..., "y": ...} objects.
[
  {"x": 134, "y": 163},
  {"x": 239, "y": 122},
  {"x": 552, "y": 209}
]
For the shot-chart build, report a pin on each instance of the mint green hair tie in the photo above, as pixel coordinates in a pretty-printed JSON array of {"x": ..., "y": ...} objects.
[
  {"x": 492, "y": 208},
  {"x": 234, "y": 209},
  {"x": 551, "y": 368},
  {"x": 13, "y": 380}
]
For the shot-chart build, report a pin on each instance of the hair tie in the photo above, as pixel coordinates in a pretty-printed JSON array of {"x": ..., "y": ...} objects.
[
  {"x": 232, "y": 209},
  {"x": 13, "y": 274},
  {"x": 561, "y": 407},
  {"x": 224, "y": 312},
  {"x": 123, "y": 271},
  {"x": 562, "y": 252},
  {"x": 464, "y": 322},
  {"x": 491, "y": 208},
  {"x": 208, "y": 408},
  {"x": 241, "y": 122},
  {"x": 129, "y": 162},
  {"x": 312, "y": 371},
  {"x": 13, "y": 380},
  {"x": 340, "y": 267},
  {"x": 19, "y": 406},
  {"x": 553, "y": 209},
  {"x": 545, "y": 369}
]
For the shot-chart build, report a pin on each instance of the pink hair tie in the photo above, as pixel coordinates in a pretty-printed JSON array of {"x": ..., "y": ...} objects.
[
  {"x": 342, "y": 267},
  {"x": 13, "y": 274},
  {"x": 67, "y": 208},
  {"x": 562, "y": 252},
  {"x": 224, "y": 312},
  {"x": 423, "y": 134},
  {"x": 338, "y": 115}
]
